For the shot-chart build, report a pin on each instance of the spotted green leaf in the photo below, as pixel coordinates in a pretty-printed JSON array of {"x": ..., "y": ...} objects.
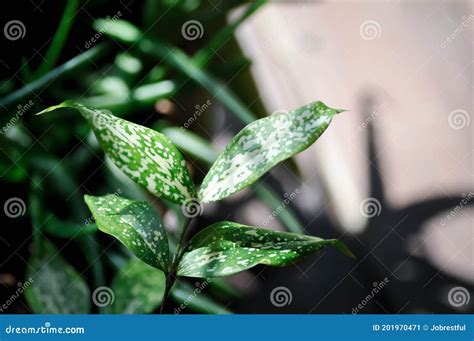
[
  {"x": 263, "y": 144},
  {"x": 138, "y": 289},
  {"x": 53, "y": 286},
  {"x": 135, "y": 223},
  {"x": 226, "y": 248},
  {"x": 146, "y": 156}
]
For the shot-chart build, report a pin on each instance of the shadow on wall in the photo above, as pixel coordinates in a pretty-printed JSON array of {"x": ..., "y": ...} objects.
[{"x": 390, "y": 275}]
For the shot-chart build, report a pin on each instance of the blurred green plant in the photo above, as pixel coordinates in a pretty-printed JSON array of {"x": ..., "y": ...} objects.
[
  {"x": 224, "y": 248},
  {"x": 143, "y": 63}
]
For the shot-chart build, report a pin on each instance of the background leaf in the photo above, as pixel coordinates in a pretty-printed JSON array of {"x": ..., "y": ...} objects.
[
  {"x": 136, "y": 224},
  {"x": 138, "y": 289},
  {"x": 56, "y": 287},
  {"x": 188, "y": 297},
  {"x": 146, "y": 156},
  {"x": 67, "y": 229},
  {"x": 226, "y": 248},
  {"x": 261, "y": 145}
]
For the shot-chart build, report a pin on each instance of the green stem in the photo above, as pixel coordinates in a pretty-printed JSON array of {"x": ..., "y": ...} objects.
[
  {"x": 171, "y": 277},
  {"x": 59, "y": 39}
]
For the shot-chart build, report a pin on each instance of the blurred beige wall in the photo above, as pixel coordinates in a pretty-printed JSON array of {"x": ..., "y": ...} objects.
[{"x": 412, "y": 58}]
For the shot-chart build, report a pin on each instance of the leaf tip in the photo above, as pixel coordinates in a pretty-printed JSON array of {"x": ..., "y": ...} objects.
[
  {"x": 88, "y": 199},
  {"x": 338, "y": 111},
  {"x": 65, "y": 104},
  {"x": 344, "y": 249}
]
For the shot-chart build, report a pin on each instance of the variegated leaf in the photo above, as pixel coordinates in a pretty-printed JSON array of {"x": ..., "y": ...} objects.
[
  {"x": 146, "y": 156},
  {"x": 136, "y": 224},
  {"x": 263, "y": 144},
  {"x": 138, "y": 289},
  {"x": 53, "y": 286},
  {"x": 226, "y": 248}
]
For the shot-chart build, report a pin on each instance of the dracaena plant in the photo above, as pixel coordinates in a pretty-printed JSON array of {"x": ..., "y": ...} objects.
[{"x": 224, "y": 248}]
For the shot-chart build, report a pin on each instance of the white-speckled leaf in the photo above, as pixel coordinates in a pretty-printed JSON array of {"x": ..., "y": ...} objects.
[
  {"x": 53, "y": 286},
  {"x": 136, "y": 224},
  {"x": 146, "y": 156},
  {"x": 263, "y": 144},
  {"x": 138, "y": 289},
  {"x": 226, "y": 248}
]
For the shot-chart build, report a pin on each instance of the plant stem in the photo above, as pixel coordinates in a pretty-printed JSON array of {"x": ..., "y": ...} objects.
[{"x": 171, "y": 277}]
